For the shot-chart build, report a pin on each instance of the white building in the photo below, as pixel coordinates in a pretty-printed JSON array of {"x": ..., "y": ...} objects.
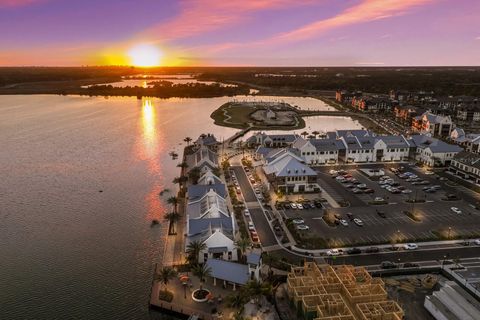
[
  {"x": 432, "y": 124},
  {"x": 209, "y": 220},
  {"x": 433, "y": 152},
  {"x": 287, "y": 172}
]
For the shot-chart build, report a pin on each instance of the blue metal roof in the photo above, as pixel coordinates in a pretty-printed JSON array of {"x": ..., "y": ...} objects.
[{"x": 228, "y": 271}]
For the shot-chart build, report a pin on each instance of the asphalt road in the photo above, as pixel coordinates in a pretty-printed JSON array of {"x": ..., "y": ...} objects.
[
  {"x": 265, "y": 233},
  {"x": 247, "y": 191},
  {"x": 394, "y": 256}
]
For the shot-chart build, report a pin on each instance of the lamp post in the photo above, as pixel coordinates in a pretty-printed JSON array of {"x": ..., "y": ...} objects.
[{"x": 449, "y": 232}]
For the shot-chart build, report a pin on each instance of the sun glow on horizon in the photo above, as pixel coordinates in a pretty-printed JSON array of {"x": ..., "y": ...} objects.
[{"x": 145, "y": 55}]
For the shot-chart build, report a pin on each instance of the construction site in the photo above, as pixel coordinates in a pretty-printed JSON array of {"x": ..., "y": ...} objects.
[{"x": 342, "y": 292}]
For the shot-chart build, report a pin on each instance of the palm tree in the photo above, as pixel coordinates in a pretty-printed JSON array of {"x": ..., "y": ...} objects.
[
  {"x": 237, "y": 302},
  {"x": 256, "y": 289},
  {"x": 242, "y": 244},
  {"x": 173, "y": 201},
  {"x": 201, "y": 272},
  {"x": 194, "y": 175},
  {"x": 172, "y": 217},
  {"x": 269, "y": 260},
  {"x": 182, "y": 165},
  {"x": 165, "y": 275},
  {"x": 304, "y": 134},
  {"x": 315, "y": 133},
  {"x": 188, "y": 140},
  {"x": 193, "y": 250}
]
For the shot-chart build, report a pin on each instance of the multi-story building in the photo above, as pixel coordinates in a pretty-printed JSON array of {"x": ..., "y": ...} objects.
[
  {"x": 373, "y": 104},
  {"x": 288, "y": 173},
  {"x": 405, "y": 114},
  {"x": 470, "y": 142},
  {"x": 466, "y": 165},
  {"x": 434, "y": 125},
  {"x": 344, "y": 96},
  {"x": 271, "y": 141},
  {"x": 432, "y": 152},
  {"x": 468, "y": 113}
]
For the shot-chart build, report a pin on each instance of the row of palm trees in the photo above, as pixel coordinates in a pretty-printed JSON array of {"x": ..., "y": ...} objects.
[{"x": 313, "y": 135}]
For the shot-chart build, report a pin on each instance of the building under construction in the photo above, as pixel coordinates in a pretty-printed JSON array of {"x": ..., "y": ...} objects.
[{"x": 343, "y": 292}]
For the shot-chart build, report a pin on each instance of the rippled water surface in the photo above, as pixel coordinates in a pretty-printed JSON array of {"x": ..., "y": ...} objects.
[{"x": 67, "y": 250}]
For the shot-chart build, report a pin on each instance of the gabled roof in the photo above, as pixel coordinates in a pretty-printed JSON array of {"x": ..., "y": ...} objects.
[
  {"x": 211, "y": 205},
  {"x": 299, "y": 143},
  {"x": 204, "y": 228},
  {"x": 468, "y": 158},
  {"x": 209, "y": 178},
  {"x": 288, "y": 166},
  {"x": 436, "y": 146},
  {"x": 263, "y": 151},
  {"x": 207, "y": 140},
  {"x": 327, "y": 144},
  {"x": 354, "y": 133},
  {"x": 394, "y": 141},
  {"x": 201, "y": 157},
  {"x": 197, "y": 191},
  {"x": 277, "y": 154},
  {"x": 228, "y": 271}
]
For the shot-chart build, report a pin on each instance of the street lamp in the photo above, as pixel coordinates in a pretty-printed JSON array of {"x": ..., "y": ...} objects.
[{"x": 449, "y": 232}]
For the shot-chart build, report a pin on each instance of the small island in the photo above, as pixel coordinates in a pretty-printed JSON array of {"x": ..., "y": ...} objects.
[{"x": 259, "y": 115}]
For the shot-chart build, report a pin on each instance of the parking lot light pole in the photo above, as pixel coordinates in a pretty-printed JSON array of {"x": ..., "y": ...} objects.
[{"x": 449, "y": 232}]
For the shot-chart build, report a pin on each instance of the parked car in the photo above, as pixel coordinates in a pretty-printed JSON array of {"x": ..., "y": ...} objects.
[
  {"x": 303, "y": 227},
  {"x": 287, "y": 206},
  {"x": 254, "y": 236},
  {"x": 368, "y": 190},
  {"x": 477, "y": 242},
  {"x": 388, "y": 265},
  {"x": 456, "y": 210},
  {"x": 357, "y": 191},
  {"x": 358, "y": 222},
  {"x": 334, "y": 252},
  {"x": 247, "y": 213},
  {"x": 372, "y": 250},
  {"x": 411, "y": 265},
  {"x": 299, "y": 206},
  {"x": 251, "y": 227},
  {"x": 343, "y": 222},
  {"x": 350, "y": 216},
  {"x": 362, "y": 186},
  {"x": 410, "y": 246},
  {"x": 293, "y": 205},
  {"x": 354, "y": 251},
  {"x": 378, "y": 199},
  {"x": 406, "y": 191},
  {"x": 298, "y": 221},
  {"x": 381, "y": 213}
]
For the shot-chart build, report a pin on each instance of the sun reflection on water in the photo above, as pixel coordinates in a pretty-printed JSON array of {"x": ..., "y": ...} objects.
[{"x": 149, "y": 149}]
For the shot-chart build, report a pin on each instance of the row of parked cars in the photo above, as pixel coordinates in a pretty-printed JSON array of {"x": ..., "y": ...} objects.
[
  {"x": 351, "y": 183},
  {"x": 415, "y": 180},
  {"x": 338, "y": 252}
]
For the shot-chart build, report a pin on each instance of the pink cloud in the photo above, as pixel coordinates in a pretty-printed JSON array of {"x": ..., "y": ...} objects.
[
  {"x": 16, "y": 3},
  {"x": 201, "y": 16},
  {"x": 366, "y": 11}
]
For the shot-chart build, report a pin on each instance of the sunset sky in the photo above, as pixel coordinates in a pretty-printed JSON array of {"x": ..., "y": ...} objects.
[{"x": 241, "y": 32}]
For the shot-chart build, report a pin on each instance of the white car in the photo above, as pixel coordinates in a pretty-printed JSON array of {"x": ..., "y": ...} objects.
[
  {"x": 251, "y": 227},
  {"x": 299, "y": 206},
  {"x": 332, "y": 172},
  {"x": 303, "y": 227},
  {"x": 343, "y": 222},
  {"x": 358, "y": 222},
  {"x": 334, "y": 252},
  {"x": 293, "y": 205},
  {"x": 247, "y": 213},
  {"x": 429, "y": 172},
  {"x": 406, "y": 191},
  {"x": 456, "y": 210},
  {"x": 378, "y": 199},
  {"x": 298, "y": 221},
  {"x": 477, "y": 242},
  {"x": 410, "y": 246}
]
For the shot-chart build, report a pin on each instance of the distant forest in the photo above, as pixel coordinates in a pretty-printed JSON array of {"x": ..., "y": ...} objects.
[{"x": 442, "y": 80}]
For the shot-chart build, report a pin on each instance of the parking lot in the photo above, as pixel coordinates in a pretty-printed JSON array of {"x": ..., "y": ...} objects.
[{"x": 387, "y": 222}]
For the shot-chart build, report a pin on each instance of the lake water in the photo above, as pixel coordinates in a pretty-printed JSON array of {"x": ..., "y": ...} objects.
[{"x": 69, "y": 251}]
